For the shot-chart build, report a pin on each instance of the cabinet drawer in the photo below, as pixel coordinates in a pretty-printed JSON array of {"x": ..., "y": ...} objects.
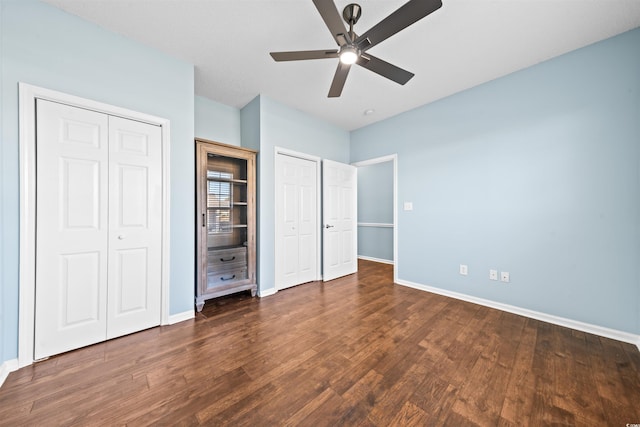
[
  {"x": 223, "y": 278},
  {"x": 225, "y": 259}
]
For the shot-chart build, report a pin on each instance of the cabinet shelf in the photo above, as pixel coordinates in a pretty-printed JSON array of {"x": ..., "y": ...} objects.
[
  {"x": 233, "y": 181},
  {"x": 210, "y": 208}
]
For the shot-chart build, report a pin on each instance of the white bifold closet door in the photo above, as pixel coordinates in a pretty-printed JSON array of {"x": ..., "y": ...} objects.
[
  {"x": 296, "y": 221},
  {"x": 99, "y": 233}
]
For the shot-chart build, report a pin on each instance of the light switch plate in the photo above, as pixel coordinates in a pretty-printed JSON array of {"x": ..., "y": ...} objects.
[
  {"x": 504, "y": 276},
  {"x": 493, "y": 274},
  {"x": 408, "y": 206},
  {"x": 464, "y": 270}
]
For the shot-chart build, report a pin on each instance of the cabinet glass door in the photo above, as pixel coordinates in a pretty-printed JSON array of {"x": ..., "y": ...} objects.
[{"x": 226, "y": 220}]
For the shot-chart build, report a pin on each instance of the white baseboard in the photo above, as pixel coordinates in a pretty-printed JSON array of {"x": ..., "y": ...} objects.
[
  {"x": 549, "y": 318},
  {"x": 368, "y": 258},
  {"x": 267, "y": 292},
  {"x": 181, "y": 317},
  {"x": 6, "y": 368}
]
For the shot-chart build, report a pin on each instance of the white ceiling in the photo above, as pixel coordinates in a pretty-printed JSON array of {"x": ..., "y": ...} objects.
[{"x": 461, "y": 45}]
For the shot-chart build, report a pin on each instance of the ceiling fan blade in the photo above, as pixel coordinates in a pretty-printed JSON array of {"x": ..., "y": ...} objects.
[
  {"x": 384, "y": 69},
  {"x": 333, "y": 20},
  {"x": 304, "y": 54},
  {"x": 409, "y": 13},
  {"x": 338, "y": 80}
]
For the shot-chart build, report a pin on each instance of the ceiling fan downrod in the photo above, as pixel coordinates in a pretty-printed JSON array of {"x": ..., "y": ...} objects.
[{"x": 351, "y": 13}]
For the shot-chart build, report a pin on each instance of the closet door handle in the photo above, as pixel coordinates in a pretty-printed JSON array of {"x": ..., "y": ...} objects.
[
  {"x": 121, "y": 237},
  {"x": 328, "y": 226}
]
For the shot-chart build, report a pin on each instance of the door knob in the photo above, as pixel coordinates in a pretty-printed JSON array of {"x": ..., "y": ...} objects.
[
  {"x": 121, "y": 237},
  {"x": 328, "y": 226}
]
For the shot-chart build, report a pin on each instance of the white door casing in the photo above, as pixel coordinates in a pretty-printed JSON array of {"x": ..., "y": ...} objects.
[
  {"x": 99, "y": 194},
  {"x": 340, "y": 219},
  {"x": 296, "y": 221}
]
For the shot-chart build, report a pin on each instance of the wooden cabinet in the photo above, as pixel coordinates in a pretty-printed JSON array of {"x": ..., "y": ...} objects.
[{"x": 225, "y": 226}]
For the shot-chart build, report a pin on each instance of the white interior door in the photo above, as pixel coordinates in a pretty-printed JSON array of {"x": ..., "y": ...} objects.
[
  {"x": 296, "y": 221},
  {"x": 135, "y": 226},
  {"x": 339, "y": 212},
  {"x": 72, "y": 228},
  {"x": 98, "y": 244}
]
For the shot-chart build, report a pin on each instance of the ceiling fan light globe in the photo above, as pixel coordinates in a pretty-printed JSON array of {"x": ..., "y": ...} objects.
[{"x": 348, "y": 55}]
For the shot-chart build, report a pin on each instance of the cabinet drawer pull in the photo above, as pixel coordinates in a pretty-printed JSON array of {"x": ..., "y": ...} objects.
[
  {"x": 228, "y": 278},
  {"x": 228, "y": 259}
]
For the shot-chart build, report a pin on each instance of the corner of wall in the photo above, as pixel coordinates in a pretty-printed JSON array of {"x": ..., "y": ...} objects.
[{"x": 250, "y": 124}]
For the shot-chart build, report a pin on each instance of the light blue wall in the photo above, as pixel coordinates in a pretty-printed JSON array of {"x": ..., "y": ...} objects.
[
  {"x": 375, "y": 242},
  {"x": 46, "y": 47},
  {"x": 250, "y": 138},
  {"x": 217, "y": 122},
  {"x": 536, "y": 173},
  {"x": 375, "y": 193},
  {"x": 250, "y": 125},
  {"x": 285, "y": 127},
  {"x": 375, "y": 205},
  {"x": 7, "y": 320}
]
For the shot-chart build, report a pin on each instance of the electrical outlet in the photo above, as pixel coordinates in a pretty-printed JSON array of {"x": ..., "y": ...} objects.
[
  {"x": 464, "y": 270},
  {"x": 493, "y": 274},
  {"x": 504, "y": 276}
]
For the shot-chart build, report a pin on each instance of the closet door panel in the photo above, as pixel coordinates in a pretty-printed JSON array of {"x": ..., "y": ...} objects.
[
  {"x": 296, "y": 221},
  {"x": 71, "y": 247},
  {"x": 290, "y": 241},
  {"x": 135, "y": 226},
  {"x": 308, "y": 225}
]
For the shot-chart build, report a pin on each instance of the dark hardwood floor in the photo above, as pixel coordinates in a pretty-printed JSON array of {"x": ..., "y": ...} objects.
[{"x": 355, "y": 351}]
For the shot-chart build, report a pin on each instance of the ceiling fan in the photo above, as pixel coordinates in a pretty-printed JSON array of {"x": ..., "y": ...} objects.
[{"x": 353, "y": 48}]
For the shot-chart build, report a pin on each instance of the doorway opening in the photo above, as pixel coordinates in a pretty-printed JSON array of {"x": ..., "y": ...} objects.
[{"x": 377, "y": 210}]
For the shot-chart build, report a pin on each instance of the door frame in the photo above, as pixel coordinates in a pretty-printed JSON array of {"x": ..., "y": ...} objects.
[
  {"x": 27, "y": 116},
  {"x": 390, "y": 158},
  {"x": 317, "y": 160}
]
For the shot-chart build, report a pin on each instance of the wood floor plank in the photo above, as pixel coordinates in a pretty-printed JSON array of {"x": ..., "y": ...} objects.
[
  {"x": 236, "y": 393},
  {"x": 356, "y": 351},
  {"x": 409, "y": 416},
  {"x": 576, "y": 390},
  {"x": 517, "y": 405},
  {"x": 304, "y": 414},
  {"x": 483, "y": 392}
]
